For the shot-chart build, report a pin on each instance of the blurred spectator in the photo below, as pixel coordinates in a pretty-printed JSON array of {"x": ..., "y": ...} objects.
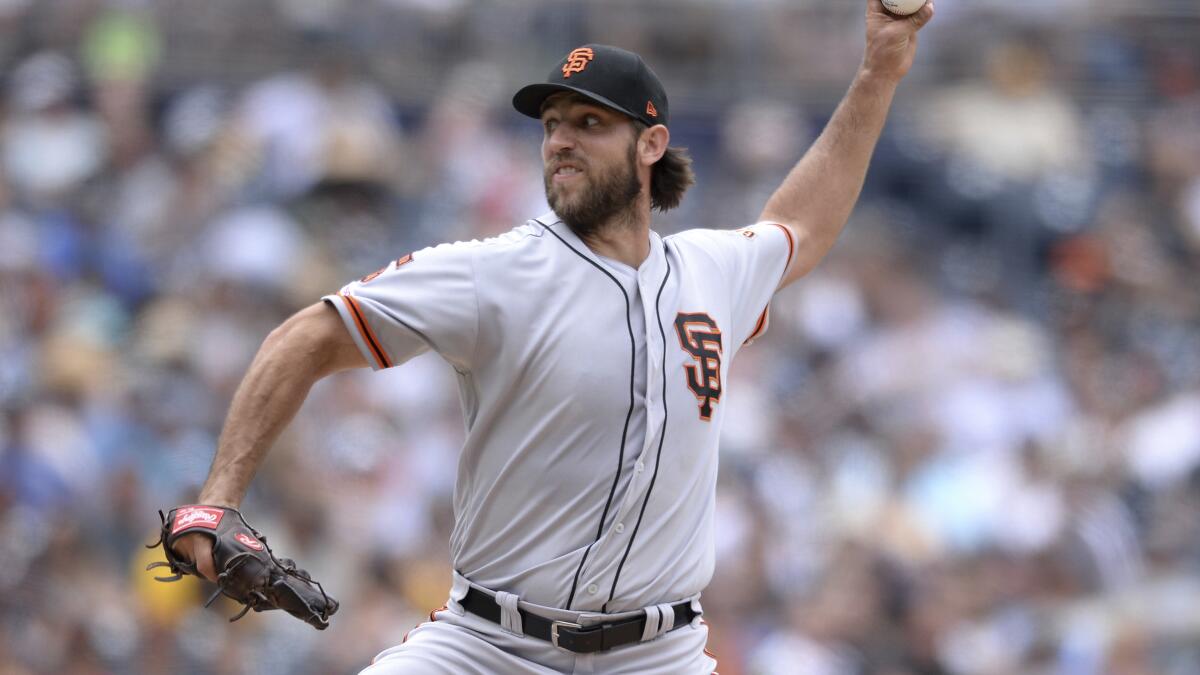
[
  {"x": 321, "y": 122},
  {"x": 1013, "y": 123},
  {"x": 51, "y": 144}
]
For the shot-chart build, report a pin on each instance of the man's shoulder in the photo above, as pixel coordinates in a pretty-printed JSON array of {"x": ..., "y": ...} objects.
[
  {"x": 722, "y": 239},
  {"x": 522, "y": 236},
  {"x": 530, "y": 233},
  {"x": 702, "y": 239}
]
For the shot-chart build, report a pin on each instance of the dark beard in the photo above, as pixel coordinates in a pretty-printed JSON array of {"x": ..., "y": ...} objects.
[{"x": 613, "y": 193}]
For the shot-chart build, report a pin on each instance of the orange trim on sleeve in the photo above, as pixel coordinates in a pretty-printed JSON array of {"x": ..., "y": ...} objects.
[
  {"x": 760, "y": 326},
  {"x": 364, "y": 329},
  {"x": 787, "y": 232}
]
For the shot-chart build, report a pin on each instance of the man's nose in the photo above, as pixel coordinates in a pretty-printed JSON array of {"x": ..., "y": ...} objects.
[{"x": 561, "y": 138}]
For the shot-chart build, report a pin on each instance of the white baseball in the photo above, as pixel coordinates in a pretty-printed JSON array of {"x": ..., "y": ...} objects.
[{"x": 903, "y": 7}]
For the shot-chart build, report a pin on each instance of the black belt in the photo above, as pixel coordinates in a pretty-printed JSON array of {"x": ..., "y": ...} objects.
[{"x": 572, "y": 636}]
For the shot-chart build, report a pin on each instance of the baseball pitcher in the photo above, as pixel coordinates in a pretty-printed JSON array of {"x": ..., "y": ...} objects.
[{"x": 591, "y": 356}]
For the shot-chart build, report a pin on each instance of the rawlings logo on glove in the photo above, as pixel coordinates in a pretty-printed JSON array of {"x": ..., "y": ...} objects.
[
  {"x": 196, "y": 516},
  {"x": 248, "y": 541},
  {"x": 247, "y": 569}
]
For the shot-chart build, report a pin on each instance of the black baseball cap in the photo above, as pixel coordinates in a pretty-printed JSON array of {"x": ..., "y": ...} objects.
[{"x": 611, "y": 76}]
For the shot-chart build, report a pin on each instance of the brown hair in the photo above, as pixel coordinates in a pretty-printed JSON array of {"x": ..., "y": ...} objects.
[{"x": 670, "y": 176}]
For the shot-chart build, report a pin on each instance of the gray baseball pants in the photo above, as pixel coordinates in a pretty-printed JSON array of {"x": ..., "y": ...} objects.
[{"x": 459, "y": 643}]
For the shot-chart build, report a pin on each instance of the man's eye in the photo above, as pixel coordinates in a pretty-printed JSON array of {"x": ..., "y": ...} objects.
[
  {"x": 550, "y": 124},
  {"x": 591, "y": 121}
]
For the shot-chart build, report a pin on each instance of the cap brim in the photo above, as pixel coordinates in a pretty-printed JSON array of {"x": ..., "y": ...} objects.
[{"x": 528, "y": 101}]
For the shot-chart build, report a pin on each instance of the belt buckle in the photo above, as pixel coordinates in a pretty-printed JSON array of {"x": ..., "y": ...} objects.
[{"x": 554, "y": 626}]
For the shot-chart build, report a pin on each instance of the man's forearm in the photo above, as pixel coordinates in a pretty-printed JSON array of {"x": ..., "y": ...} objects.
[
  {"x": 819, "y": 193},
  {"x": 272, "y": 391}
]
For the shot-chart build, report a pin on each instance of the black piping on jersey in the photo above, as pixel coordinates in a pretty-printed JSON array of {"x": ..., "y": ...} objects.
[
  {"x": 624, "y": 432},
  {"x": 364, "y": 331},
  {"x": 661, "y": 437}
]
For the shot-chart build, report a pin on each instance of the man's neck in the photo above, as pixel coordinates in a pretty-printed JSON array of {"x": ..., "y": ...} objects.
[{"x": 625, "y": 238}]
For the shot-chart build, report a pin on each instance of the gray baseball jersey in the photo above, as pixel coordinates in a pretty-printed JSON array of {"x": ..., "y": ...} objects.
[{"x": 592, "y": 396}]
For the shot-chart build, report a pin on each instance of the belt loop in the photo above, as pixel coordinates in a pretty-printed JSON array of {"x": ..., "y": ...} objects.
[
  {"x": 458, "y": 591},
  {"x": 510, "y": 616},
  {"x": 666, "y": 614},
  {"x": 654, "y": 619}
]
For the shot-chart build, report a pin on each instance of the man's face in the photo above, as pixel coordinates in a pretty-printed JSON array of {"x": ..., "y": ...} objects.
[{"x": 589, "y": 158}]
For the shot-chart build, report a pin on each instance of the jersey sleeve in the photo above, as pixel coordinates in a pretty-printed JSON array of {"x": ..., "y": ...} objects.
[
  {"x": 424, "y": 300},
  {"x": 754, "y": 259}
]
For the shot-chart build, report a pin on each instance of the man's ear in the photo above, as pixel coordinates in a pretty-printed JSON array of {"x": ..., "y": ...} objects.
[{"x": 652, "y": 144}]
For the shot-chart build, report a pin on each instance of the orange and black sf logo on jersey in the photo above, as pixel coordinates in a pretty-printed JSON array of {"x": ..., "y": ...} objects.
[{"x": 699, "y": 336}]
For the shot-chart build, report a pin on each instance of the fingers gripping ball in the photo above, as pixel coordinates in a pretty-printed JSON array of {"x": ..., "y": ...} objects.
[
  {"x": 247, "y": 569},
  {"x": 903, "y": 7}
]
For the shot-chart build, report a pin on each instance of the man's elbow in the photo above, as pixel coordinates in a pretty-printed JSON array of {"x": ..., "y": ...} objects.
[
  {"x": 313, "y": 340},
  {"x": 290, "y": 335}
]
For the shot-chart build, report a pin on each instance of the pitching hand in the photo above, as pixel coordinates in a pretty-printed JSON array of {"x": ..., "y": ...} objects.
[
  {"x": 198, "y": 549},
  {"x": 892, "y": 40}
]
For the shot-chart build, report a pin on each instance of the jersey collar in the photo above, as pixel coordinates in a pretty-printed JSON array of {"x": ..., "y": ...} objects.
[{"x": 652, "y": 267}]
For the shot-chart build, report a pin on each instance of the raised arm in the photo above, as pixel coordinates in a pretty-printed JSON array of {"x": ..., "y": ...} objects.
[
  {"x": 308, "y": 346},
  {"x": 818, "y": 194}
]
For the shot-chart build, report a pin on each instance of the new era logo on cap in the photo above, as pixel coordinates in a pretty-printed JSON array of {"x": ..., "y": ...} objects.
[{"x": 610, "y": 76}]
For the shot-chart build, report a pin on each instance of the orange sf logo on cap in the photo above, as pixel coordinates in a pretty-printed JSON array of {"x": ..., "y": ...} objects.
[{"x": 577, "y": 60}]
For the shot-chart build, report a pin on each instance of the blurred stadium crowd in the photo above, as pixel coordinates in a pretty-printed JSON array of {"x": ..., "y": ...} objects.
[{"x": 968, "y": 445}]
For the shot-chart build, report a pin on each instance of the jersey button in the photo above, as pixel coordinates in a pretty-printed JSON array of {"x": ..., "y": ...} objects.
[
  {"x": 620, "y": 528},
  {"x": 640, "y": 466},
  {"x": 592, "y": 588}
]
